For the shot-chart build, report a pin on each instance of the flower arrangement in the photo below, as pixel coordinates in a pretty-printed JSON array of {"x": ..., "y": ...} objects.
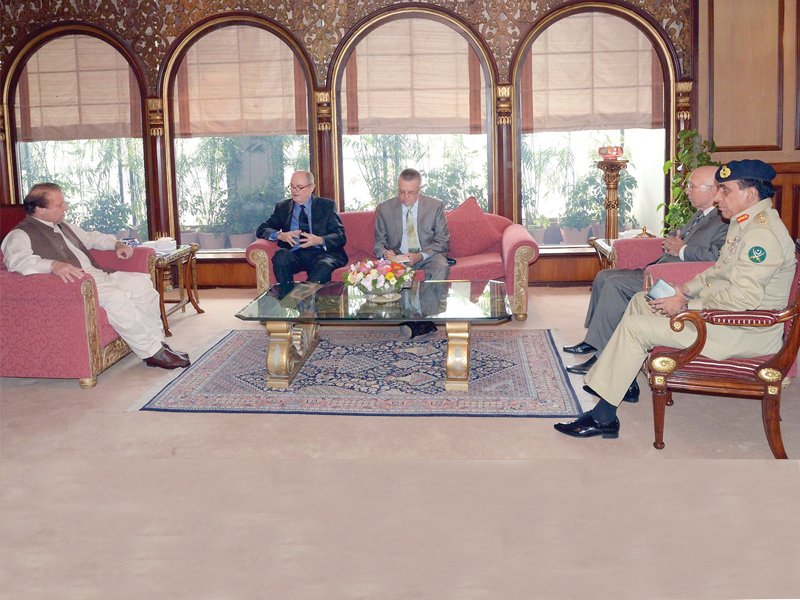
[{"x": 379, "y": 276}]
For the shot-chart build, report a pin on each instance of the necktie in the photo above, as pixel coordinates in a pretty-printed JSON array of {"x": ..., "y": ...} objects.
[
  {"x": 302, "y": 221},
  {"x": 693, "y": 225},
  {"x": 411, "y": 232}
]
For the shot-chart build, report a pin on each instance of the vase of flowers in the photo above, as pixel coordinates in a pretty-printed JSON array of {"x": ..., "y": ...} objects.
[{"x": 381, "y": 279}]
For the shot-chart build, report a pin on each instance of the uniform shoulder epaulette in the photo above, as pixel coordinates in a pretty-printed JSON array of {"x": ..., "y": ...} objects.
[{"x": 762, "y": 219}]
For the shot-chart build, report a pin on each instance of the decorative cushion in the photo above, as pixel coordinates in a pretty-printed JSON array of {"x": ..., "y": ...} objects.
[{"x": 471, "y": 232}]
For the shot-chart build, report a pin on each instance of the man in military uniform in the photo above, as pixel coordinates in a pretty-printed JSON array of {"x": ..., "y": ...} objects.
[
  {"x": 612, "y": 289},
  {"x": 754, "y": 271}
]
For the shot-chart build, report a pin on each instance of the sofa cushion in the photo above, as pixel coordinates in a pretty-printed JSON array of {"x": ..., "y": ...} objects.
[
  {"x": 471, "y": 232},
  {"x": 480, "y": 267}
]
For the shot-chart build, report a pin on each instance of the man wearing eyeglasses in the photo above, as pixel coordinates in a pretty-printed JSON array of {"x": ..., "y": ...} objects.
[
  {"x": 308, "y": 231},
  {"x": 412, "y": 228},
  {"x": 612, "y": 289},
  {"x": 754, "y": 271}
]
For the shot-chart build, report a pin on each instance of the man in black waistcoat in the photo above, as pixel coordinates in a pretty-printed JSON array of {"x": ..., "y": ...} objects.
[{"x": 42, "y": 243}]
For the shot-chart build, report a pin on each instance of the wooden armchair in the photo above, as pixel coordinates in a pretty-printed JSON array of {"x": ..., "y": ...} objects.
[{"x": 761, "y": 377}]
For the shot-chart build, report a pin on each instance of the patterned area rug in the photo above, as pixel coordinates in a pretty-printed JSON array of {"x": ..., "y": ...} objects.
[{"x": 376, "y": 372}]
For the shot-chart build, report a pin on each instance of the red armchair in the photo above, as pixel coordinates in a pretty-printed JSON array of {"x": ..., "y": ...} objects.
[{"x": 58, "y": 330}]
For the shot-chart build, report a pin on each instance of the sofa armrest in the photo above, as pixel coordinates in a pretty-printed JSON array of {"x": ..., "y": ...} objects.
[
  {"x": 259, "y": 254},
  {"x": 44, "y": 291},
  {"x": 138, "y": 263},
  {"x": 636, "y": 253},
  {"x": 676, "y": 272},
  {"x": 519, "y": 250}
]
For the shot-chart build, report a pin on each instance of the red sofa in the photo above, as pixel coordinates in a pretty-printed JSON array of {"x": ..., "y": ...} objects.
[
  {"x": 54, "y": 329},
  {"x": 485, "y": 246}
]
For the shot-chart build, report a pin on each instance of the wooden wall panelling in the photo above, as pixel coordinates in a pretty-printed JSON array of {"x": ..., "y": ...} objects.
[
  {"x": 232, "y": 271},
  {"x": 745, "y": 95},
  {"x": 559, "y": 268},
  {"x": 787, "y": 196},
  {"x": 797, "y": 75}
]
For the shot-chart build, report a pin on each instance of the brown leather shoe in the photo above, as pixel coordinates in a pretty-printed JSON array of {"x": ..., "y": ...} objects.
[
  {"x": 166, "y": 359},
  {"x": 178, "y": 352}
]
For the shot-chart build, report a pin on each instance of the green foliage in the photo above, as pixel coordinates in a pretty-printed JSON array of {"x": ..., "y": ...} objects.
[
  {"x": 586, "y": 200},
  {"x": 538, "y": 222},
  {"x": 454, "y": 182},
  {"x": 107, "y": 214},
  {"x": 691, "y": 152},
  {"x": 380, "y": 158},
  {"x": 91, "y": 172},
  {"x": 247, "y": 209},
  {"x": 543, "y": 169}
]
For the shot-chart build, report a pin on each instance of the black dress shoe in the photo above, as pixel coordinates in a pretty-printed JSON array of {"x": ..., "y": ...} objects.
[
  {"x": 582, "y": 368},
  {"x": 632, "y": 395},
  {"x": 417, "y": 329},
  {"x": 586, "y": 426},
  {"x": 582, "y": 348},
  {"x": 166, "y": 359},
  {"x": 178, "y": 352}
]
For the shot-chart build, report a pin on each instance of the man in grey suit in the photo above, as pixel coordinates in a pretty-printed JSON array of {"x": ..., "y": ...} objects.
[
  {"x": 411, "y": 228},
  {"x": 612, "y": 289}
]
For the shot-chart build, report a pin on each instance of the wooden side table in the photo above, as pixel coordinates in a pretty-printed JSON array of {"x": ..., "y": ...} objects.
[
  {"x": 184, "y": 258},
  {"x": 604, "y": 248}
]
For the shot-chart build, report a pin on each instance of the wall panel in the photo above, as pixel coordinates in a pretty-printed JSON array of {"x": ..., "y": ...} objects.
[{"x": 746, "y": 74}]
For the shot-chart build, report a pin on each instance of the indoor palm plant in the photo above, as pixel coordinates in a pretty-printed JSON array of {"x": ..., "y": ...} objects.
[{"x": 691, "y": 152}]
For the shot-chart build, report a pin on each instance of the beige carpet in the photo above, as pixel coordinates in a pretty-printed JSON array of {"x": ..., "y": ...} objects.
[{"x": 100, "y": 500}]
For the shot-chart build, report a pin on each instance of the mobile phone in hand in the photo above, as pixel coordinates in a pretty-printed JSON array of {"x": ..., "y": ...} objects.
[{"x": 660, "y": 289}]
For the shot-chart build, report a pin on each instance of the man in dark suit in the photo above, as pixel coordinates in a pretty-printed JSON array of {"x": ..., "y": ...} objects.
[
  {"x": 612, "y": 289},
  {"x": 411, "y": 228},
  {"x": 309, "y": 232}
]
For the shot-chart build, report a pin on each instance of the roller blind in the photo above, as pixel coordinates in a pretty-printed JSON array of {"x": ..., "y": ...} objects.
[
  {"x": 413, "y": 76},
  {"x": 239, "y": 80},
  {"x": 77, "y": 87},
  {"x": 591, "y": 71}
]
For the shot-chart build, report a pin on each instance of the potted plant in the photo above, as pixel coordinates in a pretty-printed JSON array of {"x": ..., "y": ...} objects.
[
  {"x": 585, "y": 207},
  {"x": 537, "y": 226},
  {"x": 211, "y": 232},
  {"x": 108, "y": 213},
  {"x": 691, "y": 152}
]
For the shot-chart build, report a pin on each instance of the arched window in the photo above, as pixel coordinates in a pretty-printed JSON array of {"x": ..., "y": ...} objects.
[
  {"x": 413, "y": 93},
  {"x": 589, "y": 80},
  {"x": 240, "y": 113},
  {"x": 78, "y": 123}
]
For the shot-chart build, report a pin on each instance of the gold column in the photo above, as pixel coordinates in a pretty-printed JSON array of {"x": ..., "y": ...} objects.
[
  {"x": 611, "y": 170},
  {"x": 457, "y": 365}
]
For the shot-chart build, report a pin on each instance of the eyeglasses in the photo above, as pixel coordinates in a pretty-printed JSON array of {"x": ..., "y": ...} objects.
[
  {"x": 691, "y": 186},
  {"x": 297, "y": 188}
]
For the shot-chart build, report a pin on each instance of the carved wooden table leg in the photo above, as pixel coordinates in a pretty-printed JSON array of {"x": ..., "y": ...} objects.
[
  {"x": 457, "y": 365},
  {"x": 288, "y": 348}
]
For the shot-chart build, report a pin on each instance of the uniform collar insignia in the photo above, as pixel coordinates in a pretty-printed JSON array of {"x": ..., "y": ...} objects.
[{"x": 742, "y": 218}]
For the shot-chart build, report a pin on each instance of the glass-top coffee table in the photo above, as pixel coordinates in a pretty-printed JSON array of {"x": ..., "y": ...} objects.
[{"x": 292, "y": 314}]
